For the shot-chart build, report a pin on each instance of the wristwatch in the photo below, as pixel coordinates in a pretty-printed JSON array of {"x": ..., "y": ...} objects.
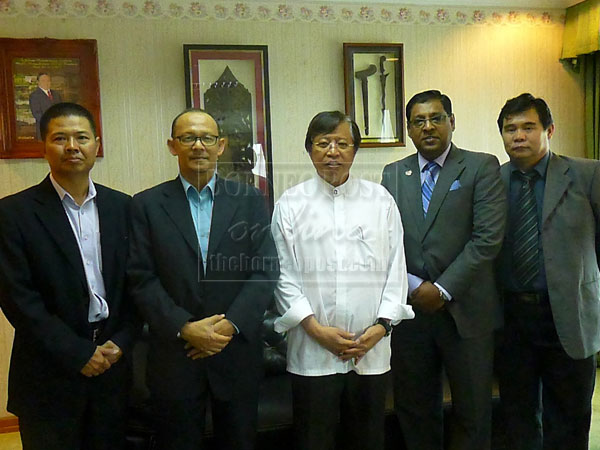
[
  {"x": 443, "y": 297},
  {"x": 385, "y": 323}
]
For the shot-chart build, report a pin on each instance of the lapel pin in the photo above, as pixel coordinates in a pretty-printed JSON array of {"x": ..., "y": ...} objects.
[{"x": 408, "y": 173}]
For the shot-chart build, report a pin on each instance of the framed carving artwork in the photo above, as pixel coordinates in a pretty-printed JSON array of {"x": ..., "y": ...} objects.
[
  {"x": 36, "y": 73},
  {"x": 231, "y": 82},
  {"x": 374, "y": 92}
]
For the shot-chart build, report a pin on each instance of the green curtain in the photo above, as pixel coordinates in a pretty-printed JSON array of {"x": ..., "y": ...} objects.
[
  {"x": 581, "y": 29},
  {"x": 581, "y": 41},
  {"x": 591, "y": 70}
]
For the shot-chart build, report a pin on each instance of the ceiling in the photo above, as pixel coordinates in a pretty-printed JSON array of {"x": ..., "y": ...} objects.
[{"x": 521, "y": 4}]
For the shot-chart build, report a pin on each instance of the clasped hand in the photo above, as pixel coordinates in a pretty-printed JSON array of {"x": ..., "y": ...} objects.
[
  {"x": 208, "y": 336},
  {"x": 426, "y": 298},
  {"x": 342, "y": 343},
  {"x": 103, "y": 358}
]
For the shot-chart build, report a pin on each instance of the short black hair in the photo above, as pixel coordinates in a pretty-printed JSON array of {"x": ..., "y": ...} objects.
[
  {"x": 327, "y": 121},
  {"x": 39, "y": 75},
  {"x": 190, "y": 110},
  {"x": 62, "y": 110},
  {"x": 525, "y": 102},
  {"x": 426, "y": 96}
]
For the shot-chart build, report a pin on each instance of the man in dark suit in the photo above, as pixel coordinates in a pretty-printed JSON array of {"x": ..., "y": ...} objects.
[
  {"x": 41, "y": 99},
  {"x": 203, "y": 269},
  {"x": 62, "y": 283},
  {"x": 548, "y": 270},
  {"x": 453, "y": 211}
]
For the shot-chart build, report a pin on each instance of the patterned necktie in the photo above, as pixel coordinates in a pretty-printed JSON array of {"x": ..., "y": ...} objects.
[
  {"x": 50, "y": 95},
  {"x": 431, "y": 170},
  {"x": 525, "y": 247}
]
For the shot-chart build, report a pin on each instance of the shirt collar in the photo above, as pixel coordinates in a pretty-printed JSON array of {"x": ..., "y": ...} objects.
[
  {"x": 62, "y": 193},
  {"x": 440, "y": 159},
  {"x": 210, "y": 186},
  {"x": 343, "y": 189},
  {"x": 540, "y": 167}
]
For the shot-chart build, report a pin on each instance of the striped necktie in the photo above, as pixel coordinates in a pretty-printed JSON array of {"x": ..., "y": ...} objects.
[
  {"x": 526, "y": 236},
  {"x": 431, "y": 170}
]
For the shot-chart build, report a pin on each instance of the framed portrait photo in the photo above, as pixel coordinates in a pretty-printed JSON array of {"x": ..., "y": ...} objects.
[
  {"x": 231, "y": 83},
  {"x": 35, "y": 74},
  {"x": 374, "y": 92}
]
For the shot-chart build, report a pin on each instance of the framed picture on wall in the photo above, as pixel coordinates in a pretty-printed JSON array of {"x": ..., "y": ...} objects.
[
  {"x": 231, "y": 82},
  {"x": 374, "y": 92},
  {"x": 35, "y": 74}
]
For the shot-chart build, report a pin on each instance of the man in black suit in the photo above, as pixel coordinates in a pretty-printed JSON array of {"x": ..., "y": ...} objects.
[
  {"x": 62, "y": 286},
  {"x": 548, "y": 270},
  {"x": 41, "y": 99},
  {"x": 203, "y": 269},
  {"x": 453, "y": 211}
]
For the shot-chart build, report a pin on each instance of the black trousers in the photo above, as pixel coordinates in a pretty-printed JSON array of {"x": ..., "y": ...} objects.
[
  {"x": 546, "y": 395},
  {"x": 100, "y": 427},
  {"x": 422, "y": 349},
  {"x": 181, "y": 422},
  {"x": 354, "y": 402}
]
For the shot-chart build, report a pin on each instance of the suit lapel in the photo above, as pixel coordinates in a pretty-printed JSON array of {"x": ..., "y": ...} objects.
[
  {"x": 224, "y": 207},
  {"x": 176, "y": 205},
  {"x": 505, "y": 175},
  {"x": 413, "y": 190},
  {"x": 453, "y": 166},
  {"x": 51, "y": 213},
  {"x": 557, "y": 182},
  {"x": 109, "y": 235}
]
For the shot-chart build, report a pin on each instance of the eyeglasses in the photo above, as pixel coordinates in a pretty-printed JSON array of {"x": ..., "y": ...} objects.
[
  {"x": 189, "y": 140},
  {"x": 435, "y": 121},
  {"x": 341, "y": 145}
]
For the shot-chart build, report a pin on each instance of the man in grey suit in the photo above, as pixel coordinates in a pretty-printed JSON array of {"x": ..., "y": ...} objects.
[
  {"x": 453, "y": 211},
  {"x": 548, "y": 270},
  {"x": 41, "y": 99}
]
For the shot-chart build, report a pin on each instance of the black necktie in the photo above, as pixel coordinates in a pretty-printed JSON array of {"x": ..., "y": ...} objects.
[{"x": 525, "y": 247}]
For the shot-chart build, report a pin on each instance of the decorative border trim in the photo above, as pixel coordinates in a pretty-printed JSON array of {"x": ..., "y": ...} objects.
[
  {"x": 9, "y": 424},
  {"x": 306, "y": 11}
]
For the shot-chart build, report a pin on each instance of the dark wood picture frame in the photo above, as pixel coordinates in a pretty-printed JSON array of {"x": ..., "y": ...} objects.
[
  {"x": 231, "y": 82},
  {"x": 374, "y": 74},
  {"x": 73, "y": 63}
]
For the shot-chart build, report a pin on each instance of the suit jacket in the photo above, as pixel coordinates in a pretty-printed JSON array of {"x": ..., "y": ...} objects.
[
  {"x": 455, "y": 245},
  {"x": 570, "y": 231},
  {"x": 170, "y": 287},
  {"x": 39, "y": 102},
  {"x": 44, "y": 294}
]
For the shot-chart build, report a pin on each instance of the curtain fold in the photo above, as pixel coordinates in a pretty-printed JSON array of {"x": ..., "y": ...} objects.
[
  {"x": 591, "y": 70},
  {"x": 581, "y": 40},
  {"x": 582, "y": 29}
]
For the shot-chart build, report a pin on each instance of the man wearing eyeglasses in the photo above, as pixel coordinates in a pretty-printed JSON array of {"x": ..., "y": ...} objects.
[
  {"x": 342, "y": 286},
  {"x": 203, "y": 268},
  {"x": 453, "y": 210}
]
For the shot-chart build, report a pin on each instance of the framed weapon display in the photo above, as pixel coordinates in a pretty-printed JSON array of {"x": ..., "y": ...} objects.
[
  {"x": 374, "y": 92},
  {"x": 231, "y": 83}
]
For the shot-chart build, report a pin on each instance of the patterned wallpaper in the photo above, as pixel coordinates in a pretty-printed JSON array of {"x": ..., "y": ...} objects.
[{"x": 282, "y": 12}]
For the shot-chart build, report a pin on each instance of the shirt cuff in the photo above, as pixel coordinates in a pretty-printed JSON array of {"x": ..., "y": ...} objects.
[
  {"x": 237, "y": 330},
  {"x": 293, "y": 316},
  {"x": 395, "y": 312},
  {"x": 413, "y": 283}
]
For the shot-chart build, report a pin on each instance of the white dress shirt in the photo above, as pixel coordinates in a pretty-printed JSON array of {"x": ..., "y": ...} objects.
[
  {"x": 86, "y": 228},
  {"x": 342, "y": 259}
]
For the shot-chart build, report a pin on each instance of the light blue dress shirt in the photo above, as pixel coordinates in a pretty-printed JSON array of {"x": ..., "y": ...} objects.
[{"x": 201, "y": 206}]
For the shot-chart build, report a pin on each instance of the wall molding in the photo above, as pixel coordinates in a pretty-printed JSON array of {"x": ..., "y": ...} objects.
[
  {"x": 296, "y": 11},
  {"x": 9, "y": 424}
]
